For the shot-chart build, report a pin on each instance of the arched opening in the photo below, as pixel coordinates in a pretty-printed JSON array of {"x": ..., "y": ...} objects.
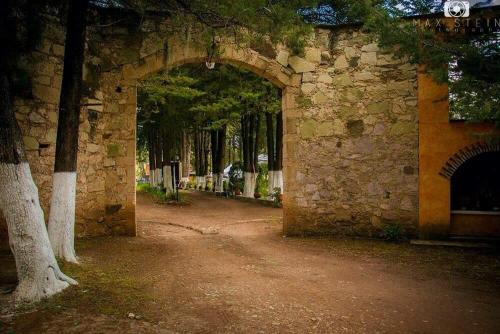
[
  {"x": 206, "y": 137},
  {"x": 475, "y": 196}
]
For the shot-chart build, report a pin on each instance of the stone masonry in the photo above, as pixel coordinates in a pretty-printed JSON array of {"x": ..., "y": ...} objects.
[{"x": 350, "y": 117}]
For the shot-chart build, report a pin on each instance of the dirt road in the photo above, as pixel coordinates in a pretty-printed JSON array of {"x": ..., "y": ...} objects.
[{"x": 222, "y": 266}]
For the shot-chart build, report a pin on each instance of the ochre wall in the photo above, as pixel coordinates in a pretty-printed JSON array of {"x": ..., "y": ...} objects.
[{"x": 439, "y": 139}]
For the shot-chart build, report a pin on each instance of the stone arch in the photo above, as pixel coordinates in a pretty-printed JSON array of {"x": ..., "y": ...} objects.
[
  {"x": 178, "y": 53},
  {"x": 464, "y": 154},
  {"x": 120, "y": 98}
]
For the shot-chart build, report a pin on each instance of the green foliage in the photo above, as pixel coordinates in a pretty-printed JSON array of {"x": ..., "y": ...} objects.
[
  {"x": 469, "y": 65},
  {"x": 157, "y": 193},
  {"x": 393, "y": 232},
  {"x": 276, "y": 197},
  {"x": 474, "y": 61},
  {"x": 236, "y": 181},
  {"x": 262, "y": 181}
]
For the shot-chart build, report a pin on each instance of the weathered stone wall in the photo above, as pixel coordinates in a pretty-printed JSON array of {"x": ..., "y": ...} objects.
[
  {"x": 350, "y": 116},
  {"x": 352, "y": 147},
  {"x": 37, "y": 117}
]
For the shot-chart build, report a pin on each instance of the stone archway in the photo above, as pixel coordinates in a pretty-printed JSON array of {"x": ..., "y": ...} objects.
[
  {"x": 120, "y": 95},
  {"x": 464, "y": 154}
]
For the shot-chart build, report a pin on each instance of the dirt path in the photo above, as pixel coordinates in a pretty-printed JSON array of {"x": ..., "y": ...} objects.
[{"x": 222, "y": 266}]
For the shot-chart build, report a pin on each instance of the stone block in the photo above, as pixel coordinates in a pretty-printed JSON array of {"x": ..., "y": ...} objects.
[
  {"x": 401, "y": 128},
  {"x": 113, "y": 150},
  {"x": 341, "y": 63},
  {"x": 52, "y": 116},
  {"x": 36, "y": 118},
  {"x": 368, "y": 58},
  {"x": 30, "y": 143},
  {"x": 308, "y": 128},
  {"x": 51, "y": 135},
  {"x": 282, "y": 57},
  {"x": 313, "y": 55},
  {"x": 307, "y": 77},
  {"x": 350, "y": 52},
  {"x": 355, "y": 127},
  {"x": 308, "y": 88},
  {"x": 325, "y": 78},
  {"x": 46, "y": 93},
  {"x": 325, "y": 129},
  {"x": 43, "y": 80},
  {"x": 325, "y": 56},
  {"x": 342, "y": 80},
  {"x": 58, "y": 50},
  {"x": 338, "y": 127},
  {"x": 300, "y": 65},
  {"x": 372, "y": 47},
  {"x": 379, "y": 107},
  {"x": 93, "y": 148},
  {"x": 364, "y": 76},
  {"x": 320, "y": 98},
  {"x": 95, "y": 186}
]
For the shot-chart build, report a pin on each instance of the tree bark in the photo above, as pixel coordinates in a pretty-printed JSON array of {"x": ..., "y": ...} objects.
[
  {"x": 158, "y": 158},
  {"x": 185, "y": 155},
  {"x": 37, "y": 269},
  {"x": 61, "y": 227},
  {"x": 166, "y": 158},
  {"x": 270, "y": 151},
  {"x": 278, "y": 166},
  {"x": 151, "y": 156},
  {"x": 213, "y": 153},
  {"x": 250, "y": 127}
]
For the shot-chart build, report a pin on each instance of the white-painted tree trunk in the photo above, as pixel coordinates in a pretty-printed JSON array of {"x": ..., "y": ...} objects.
[
  {"x": 62, "y": 216},
  {"x": 152, "y": 177},
  {"x": 159, "y": 177},
  {"x": 278, "y": 180},
  {"x": 185, "y": 182},
  {"x": 201, "y": 181},
  {"x": 250, "y": 181},
  {"x": 37, "y": 269},
  {"x": 270, "y": 182},
  {"x": 219, "y": 182},
  {"x": 167, "y": 178}
]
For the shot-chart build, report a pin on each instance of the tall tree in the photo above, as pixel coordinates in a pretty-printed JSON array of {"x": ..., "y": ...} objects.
[
  {"x": 218, "y": 149},
  {"x": 37, "y": 269},
  {"x": 185, "y": 156},
  {"x": 62, "y": 209},
  {"x": 250, "y": 128}
]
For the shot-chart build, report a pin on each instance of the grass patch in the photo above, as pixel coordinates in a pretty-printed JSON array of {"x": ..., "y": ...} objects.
[
  {"x": 160, "y": 196},
  {"x": 157, "y": 194},
  {"x": 111, "y": 292}
]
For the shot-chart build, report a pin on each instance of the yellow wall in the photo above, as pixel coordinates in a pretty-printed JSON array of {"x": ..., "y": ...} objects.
[{"x": 439, "y": 139}]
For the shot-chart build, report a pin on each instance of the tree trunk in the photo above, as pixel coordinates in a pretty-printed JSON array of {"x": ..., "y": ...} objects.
[
  {"x": 61, "y": 225},
  {"x": 213, "y": 151},
  {"x": 218, "y": 145},
  {"x": 185, "y": 156},
  {"x": 200, "y": 158},
  {"x": 278, "y": 166},
  {"x": 250, "y": 125},
  {"x": 37, "y": 269},
  {"x": 158, "y": 159},
  {"x": 270, "y": 152},
  {"x": 151, "y": 156},
  {"x": 166, "y": 167}
]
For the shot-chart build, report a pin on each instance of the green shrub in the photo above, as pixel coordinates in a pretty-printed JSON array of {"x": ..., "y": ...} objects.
[
  {"x": 276, "y": 197},
  {"x": 393, "y": 232},
  {"x": 157, "y": 193}
]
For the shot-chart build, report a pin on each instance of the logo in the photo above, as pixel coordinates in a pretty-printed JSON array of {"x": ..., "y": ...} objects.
[{"x": 456, "y": 8}]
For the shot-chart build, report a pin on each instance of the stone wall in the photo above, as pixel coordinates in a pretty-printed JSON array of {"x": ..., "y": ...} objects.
[
  {"x": 350, "y": 117},
  {"x": 352, "y": 151}
]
